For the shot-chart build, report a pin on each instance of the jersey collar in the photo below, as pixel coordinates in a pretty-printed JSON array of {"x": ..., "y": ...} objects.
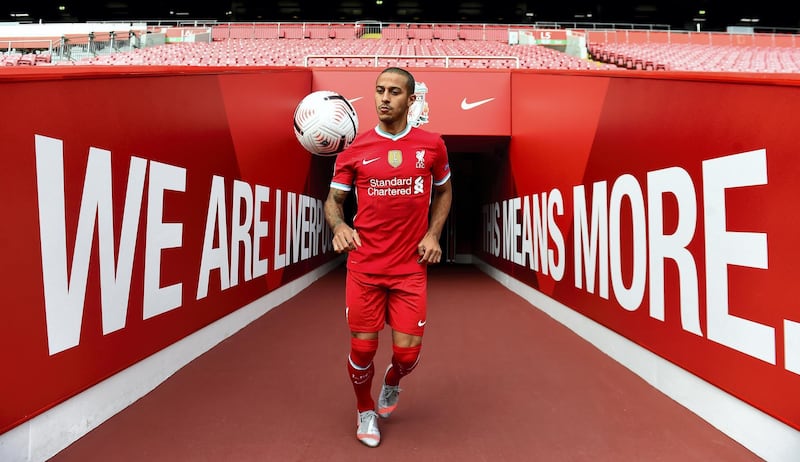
[{"x": 389, "y": 135}]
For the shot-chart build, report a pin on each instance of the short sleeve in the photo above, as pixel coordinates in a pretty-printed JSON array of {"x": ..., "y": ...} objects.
[{"x": 441, "y": 164}]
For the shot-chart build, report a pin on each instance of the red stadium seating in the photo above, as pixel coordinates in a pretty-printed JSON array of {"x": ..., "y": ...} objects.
[
  {"x": 474, "y": 46},
  {"x": 699, "y": 58},
  {"x": 321, "y": 52}
]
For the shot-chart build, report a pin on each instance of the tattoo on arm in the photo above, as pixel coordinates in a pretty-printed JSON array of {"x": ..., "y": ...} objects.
[
  {"x": 339, "y": 196},
  {"x": 334, "y": 207}
]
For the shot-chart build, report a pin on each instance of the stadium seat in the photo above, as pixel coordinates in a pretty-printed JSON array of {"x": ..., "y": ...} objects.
[{"x": 427, "y": 45}]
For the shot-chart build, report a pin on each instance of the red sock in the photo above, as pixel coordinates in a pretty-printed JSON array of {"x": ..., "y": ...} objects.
[
  {"x": 361, "y": 370},
  {"x": 404, "y": 360}
]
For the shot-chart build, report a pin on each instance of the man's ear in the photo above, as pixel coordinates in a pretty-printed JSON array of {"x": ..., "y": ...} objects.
[{"x": 412, "y": 98}]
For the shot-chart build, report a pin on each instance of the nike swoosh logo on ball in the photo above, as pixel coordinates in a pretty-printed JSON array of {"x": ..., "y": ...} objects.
[
  {"x": 367, "y": 162},
  {"x": 467, "y": 106}
]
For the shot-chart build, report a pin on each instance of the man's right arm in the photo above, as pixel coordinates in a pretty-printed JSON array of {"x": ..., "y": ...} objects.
[
  {"x": 334, "y": 208},
  {"x": 344, "y": 237}
]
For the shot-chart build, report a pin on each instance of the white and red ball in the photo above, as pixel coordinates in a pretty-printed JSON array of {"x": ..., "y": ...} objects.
[{"x": 325, "y": 123}]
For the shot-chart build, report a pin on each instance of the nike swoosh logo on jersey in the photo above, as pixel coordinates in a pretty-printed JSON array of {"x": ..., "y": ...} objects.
[
  {"x": 367, "y": 162},
  {"x": 421, "y": 323},
  {"x": 467, "y": 106}
]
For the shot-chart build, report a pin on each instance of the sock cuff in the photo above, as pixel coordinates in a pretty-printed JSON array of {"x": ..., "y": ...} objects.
[
  {"x": 363, "y": 345},
  {"x": 361, "y": 353},
  {"x": 356, "y": 366},
  {"x": 403, "y": 351}
]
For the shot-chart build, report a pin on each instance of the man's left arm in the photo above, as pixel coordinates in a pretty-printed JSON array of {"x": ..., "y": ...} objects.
[{"x": 429, "y": 249}]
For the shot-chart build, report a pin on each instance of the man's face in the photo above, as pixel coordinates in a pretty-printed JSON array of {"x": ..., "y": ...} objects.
[{"x": 392, "y": 99}]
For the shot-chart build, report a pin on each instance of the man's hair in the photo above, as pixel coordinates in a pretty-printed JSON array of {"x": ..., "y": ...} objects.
[{"x": 410, "y": 83}]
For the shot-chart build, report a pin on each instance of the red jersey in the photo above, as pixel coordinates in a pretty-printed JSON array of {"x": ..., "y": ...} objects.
[{"x": 393, "y": 177}]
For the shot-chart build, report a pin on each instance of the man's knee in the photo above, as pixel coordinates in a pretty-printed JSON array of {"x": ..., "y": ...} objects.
[
  {"x": 405, "y": 359},
  {"x": 362, "y": 351},
  {"x": 365, "y": 335},
  {"x": 406, "y": 340}
]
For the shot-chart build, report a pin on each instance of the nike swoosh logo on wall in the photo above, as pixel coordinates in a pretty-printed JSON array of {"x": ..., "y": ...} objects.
[
  {"x": 351, "y": 101},
  {"x": 467, "y": 106},
  {"x": 367, "y": 162}
]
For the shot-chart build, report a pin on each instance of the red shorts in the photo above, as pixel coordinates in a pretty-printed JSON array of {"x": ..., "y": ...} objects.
[{"x": 398, "y": 300}]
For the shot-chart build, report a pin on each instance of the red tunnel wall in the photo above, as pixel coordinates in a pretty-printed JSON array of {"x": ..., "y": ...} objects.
[{"x": 681, "y": 178}]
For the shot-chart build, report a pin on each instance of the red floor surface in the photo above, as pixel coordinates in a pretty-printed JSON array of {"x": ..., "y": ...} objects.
[{"x": 498, "y": 381}]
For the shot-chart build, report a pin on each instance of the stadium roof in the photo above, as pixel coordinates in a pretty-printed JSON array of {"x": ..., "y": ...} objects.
[{"x": 681, "y": 14}]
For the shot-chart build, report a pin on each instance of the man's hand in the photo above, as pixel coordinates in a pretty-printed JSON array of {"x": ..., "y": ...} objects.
[
  {"x": 429, "y": 250},
  {"x": 345, "y": 238}
]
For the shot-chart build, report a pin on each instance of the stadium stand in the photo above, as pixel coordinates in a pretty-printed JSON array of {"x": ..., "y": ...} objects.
[
  {"x": 352, "y": 52},
  {"x": 703, "y": 58},
  {"x": 474, "y": 46},
  {"x": 359, "y": 44},
  {"x": 349, "y": 52}
]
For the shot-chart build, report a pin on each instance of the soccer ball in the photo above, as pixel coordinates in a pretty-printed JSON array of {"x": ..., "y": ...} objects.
[{"x": 325, "y": 123}]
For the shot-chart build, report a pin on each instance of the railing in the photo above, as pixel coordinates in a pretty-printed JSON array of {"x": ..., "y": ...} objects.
[
  {"x": 600, "y": 25},
  {"x": 166, "y": 22},
  {"x": 777, "y": 30},
  {"x": 377, "y": 57},
  {"x": 23, "y": 43},
  {"x": 692, "y": 37},
  {"x": 538, "y": 24},
  {"x": 75, "y": 47}
]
